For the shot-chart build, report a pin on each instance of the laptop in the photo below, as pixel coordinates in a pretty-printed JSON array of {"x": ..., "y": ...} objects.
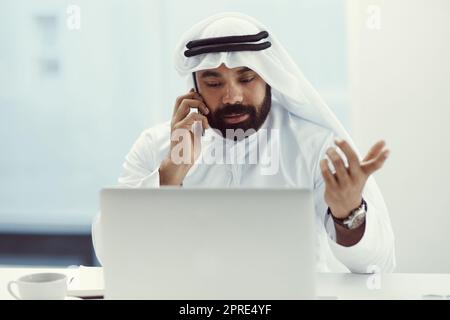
[{"x": 208, "y": 244}]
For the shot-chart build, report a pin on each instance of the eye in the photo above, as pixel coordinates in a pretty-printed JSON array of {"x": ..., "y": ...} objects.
[
  {"x": 213, "y": 84},
  {"x": 247, "y": 80}
]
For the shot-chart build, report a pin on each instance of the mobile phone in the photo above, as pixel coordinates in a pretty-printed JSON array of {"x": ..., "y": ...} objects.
[{"x": 197, "y": 127}]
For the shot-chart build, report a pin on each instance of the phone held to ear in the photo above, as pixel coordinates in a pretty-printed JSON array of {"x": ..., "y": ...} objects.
[{"x": 197, "y": 127}]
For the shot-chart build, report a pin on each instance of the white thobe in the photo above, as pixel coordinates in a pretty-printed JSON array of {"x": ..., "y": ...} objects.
[{"x": 301, "y": 146}]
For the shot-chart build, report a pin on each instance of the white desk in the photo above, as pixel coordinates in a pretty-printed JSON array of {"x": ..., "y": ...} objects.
[{"x": 332, "y": 285}]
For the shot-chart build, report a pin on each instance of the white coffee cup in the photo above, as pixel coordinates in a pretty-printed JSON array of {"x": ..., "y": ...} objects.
[{"x": 40, "y": 286}]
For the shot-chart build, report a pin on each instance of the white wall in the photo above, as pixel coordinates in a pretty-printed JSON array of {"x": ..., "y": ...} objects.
[{"x": 400, "y": 91}]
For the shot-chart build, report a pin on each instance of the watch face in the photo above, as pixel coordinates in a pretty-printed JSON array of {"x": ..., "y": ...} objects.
[{"x": 358, "y": 220}]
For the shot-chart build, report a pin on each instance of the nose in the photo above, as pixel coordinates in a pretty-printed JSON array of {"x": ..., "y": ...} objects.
[{"x": 233, "y": 94}]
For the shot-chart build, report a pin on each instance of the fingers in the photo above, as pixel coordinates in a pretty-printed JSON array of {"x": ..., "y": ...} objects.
[
  {"x": 188, "y": 121},
  {"x": 375, "y": 164},
  {"x": 185, "y": 108},
  {"x": 375, "y": 150},
  {"x": 328, "y": 176},
  {"x": 352, "y": 157},
  {"x": 342, "y": 174},
  {"x": 191, "y": 95}
]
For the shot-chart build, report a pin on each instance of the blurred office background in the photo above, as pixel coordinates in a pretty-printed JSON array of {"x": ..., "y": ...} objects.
[{"x": 72, "y": 103}]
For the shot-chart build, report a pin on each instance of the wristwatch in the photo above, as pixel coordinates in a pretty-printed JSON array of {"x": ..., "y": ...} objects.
[{"x": 356, "y": 218}]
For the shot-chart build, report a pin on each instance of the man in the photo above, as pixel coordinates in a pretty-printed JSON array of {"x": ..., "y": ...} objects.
[{"x": 265, "y": 126}]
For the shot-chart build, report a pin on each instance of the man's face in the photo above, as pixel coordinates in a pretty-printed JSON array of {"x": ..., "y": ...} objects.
[{"x": 237, "y": 98}]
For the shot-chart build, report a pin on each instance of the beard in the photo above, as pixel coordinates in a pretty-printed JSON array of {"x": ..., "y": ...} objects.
[{"x": 254, "y": 121}]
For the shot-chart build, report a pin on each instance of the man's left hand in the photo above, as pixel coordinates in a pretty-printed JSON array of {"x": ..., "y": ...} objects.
[{"x": 343, "y": 190}]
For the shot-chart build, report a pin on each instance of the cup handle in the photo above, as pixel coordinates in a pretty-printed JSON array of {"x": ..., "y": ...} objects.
[{"x": 10, "y": 289}]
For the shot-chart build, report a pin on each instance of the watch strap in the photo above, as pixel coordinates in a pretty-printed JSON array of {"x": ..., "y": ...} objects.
[{"x": 341, "y": 222}]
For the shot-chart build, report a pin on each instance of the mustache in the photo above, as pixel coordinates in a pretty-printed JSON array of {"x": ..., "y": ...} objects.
[{"x": 235, "y": 109}]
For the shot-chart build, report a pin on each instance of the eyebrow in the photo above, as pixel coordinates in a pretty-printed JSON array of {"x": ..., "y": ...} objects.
[
  {"x": 244, "y": 70},
  {"x": 209, "y": 73}
]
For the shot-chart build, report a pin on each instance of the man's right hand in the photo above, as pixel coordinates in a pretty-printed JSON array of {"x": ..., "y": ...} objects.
[{"x": 174, "y": 169}]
